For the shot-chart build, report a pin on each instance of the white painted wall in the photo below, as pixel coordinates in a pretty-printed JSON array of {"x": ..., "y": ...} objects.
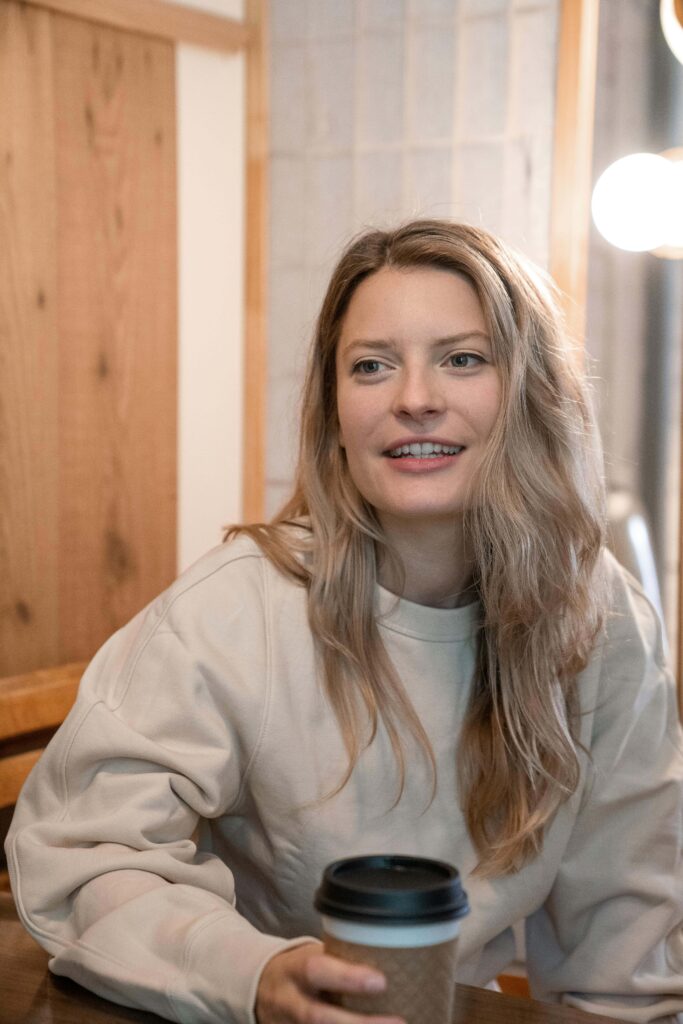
[
  {"x": 211, "y": 286},
  {"x": 211, "y": 202},
  {"x": 226, "y": 8}
]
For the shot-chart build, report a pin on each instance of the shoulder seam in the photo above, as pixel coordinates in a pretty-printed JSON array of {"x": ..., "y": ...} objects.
[
  {"x": 268, "y": 690},
  {"x": 157, "y": 626}
]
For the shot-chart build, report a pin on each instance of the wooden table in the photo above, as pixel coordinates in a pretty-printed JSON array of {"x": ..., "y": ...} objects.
[{"x": 29, "y": 994}]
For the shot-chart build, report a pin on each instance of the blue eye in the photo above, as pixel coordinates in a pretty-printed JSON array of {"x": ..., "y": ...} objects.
[
  {"x": 464, "y": 360},
  {"x": 367, "y": 366}
]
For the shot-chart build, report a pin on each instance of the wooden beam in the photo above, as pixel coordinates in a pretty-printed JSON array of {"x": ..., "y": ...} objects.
[
  {"x": 256, "y": 275},
  {"x": 37, "y": 700},
  {"x": 13, "y": 774},
  {"x": 572, "y": 156},
  {"x": 29, "y": 345},
  {"x": 168, "y": 21}
]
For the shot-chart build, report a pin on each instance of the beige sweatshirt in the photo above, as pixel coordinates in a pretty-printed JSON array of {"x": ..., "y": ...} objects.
[{"x": 167, "y": 844}]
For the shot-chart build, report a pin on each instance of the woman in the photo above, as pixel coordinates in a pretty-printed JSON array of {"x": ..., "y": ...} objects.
[{"x": 428, "y": 651}]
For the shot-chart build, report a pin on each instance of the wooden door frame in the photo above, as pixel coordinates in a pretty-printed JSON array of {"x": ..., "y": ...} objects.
[
  {"x": 573, "y": 157},
  {"x": 256, "y": 266}
]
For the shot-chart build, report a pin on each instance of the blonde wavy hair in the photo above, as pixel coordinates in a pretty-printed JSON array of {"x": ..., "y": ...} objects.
[{"x": 536, "y": 528}]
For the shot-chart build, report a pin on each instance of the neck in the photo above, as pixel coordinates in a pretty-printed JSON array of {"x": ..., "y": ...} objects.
[{"x": 436, "y": 560}]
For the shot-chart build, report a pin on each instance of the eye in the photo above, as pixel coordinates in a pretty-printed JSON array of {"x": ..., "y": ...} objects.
[
  {"x": 465, "y": 360},
  {"x": 367, "y": 367}
]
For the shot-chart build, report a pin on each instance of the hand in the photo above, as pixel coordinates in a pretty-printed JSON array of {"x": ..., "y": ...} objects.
[{"x": 293, "y": 986}]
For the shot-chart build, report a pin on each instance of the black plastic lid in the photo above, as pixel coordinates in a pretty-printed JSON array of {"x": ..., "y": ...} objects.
[{"x": 392, "y": 889}]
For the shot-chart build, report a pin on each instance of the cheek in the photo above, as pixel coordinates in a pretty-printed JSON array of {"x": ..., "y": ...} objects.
[
  {"x": 348, "y": 420},
  {"x": 358, "y": 415},
  {"x": 490, "y": 408},
  {"x": 340, "y": 429}
]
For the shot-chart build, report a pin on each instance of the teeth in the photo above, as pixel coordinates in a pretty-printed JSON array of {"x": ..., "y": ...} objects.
[{"x": 425, "y": 450}]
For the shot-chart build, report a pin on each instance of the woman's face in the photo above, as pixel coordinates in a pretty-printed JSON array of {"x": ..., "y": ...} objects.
[{"x": 417, "y": 392}]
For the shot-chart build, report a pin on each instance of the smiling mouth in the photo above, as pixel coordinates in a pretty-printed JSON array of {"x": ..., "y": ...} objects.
[{"x": 424, "y": 450}]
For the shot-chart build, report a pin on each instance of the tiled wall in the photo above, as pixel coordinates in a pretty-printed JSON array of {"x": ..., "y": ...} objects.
[{"x": 383, "y": 110}]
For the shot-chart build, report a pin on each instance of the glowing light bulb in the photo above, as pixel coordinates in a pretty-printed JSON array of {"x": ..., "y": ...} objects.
[
  {"x": 671, "y": 27},
  {"x": 632, "y": 202}
]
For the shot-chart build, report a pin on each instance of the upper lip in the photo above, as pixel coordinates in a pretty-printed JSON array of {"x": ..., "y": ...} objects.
[{"x": 423, "y": 440}]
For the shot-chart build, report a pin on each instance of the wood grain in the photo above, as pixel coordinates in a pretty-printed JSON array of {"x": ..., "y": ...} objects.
[
  {"x": 13, "y": 773},
  {"x": 572, "y": 157},
  {"x": 37, "y": 700},
  {"x": 117, "y": 325},
  {"x": 256, "y": 273},
  {"x": 31, "y": 995},
  {"x": 29, "y": 629},
  {"x": 479, "y": 1006},
  {"x": 169, "y": 21}
]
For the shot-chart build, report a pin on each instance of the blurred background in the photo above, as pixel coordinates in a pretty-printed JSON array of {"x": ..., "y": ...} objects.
[
  {"x": 386, "y": 110},
  {"x": 175, "y": 186}
]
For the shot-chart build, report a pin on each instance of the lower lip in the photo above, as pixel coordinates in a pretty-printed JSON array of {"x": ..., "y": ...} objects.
[{"x": 412, "y": 464}]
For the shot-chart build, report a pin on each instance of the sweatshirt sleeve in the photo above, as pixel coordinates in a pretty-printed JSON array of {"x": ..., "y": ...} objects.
[
  {"x": 103, "y": 851},
  {"x": 609, "y": 937}
]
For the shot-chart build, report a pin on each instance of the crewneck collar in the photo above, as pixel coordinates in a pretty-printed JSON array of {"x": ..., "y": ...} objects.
[{"x": 425, "y": 623}]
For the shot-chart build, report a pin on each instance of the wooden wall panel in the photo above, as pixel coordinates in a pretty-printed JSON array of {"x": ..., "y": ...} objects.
[
  {"x": 117, "y": 324},
  {"x": 572, "y": 157},
  {"x": 256, "y": 264},
  {"x": 29, "y": 634},
  {"x": 158, "y": 18}
]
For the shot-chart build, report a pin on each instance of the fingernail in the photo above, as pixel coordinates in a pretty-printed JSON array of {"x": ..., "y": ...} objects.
[{"x": 375, "y": 984}]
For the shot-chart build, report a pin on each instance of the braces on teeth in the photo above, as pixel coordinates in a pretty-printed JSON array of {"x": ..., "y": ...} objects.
[{"x": 425, "y": 450}]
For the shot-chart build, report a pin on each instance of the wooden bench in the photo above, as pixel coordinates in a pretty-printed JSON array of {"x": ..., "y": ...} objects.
[{"x": 32, "y": 706}]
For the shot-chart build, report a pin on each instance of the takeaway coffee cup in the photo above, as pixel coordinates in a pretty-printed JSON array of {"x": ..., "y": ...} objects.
[{"x": 401, "y": 915}]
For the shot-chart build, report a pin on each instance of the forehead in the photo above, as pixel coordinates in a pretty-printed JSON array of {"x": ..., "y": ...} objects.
[{"x": 415, "y": 302}]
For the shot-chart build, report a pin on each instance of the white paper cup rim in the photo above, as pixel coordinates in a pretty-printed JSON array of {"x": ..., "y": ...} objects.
[{"x": 391, "y": 936}]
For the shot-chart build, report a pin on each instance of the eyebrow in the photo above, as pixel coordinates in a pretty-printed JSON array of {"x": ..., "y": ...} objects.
[{"x": 384, "y": 345}]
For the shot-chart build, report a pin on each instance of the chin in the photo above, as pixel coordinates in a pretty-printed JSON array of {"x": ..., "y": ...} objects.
[{"x": 424, "y": 512}]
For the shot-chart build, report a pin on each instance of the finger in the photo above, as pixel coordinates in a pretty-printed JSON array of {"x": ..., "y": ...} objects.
[
  {"x": 332, "y": 974},
  {"x": 315, "y": 1012}
]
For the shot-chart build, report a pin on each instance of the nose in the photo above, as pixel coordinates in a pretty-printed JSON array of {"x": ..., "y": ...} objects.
[{"x": 418, "y": 394}]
